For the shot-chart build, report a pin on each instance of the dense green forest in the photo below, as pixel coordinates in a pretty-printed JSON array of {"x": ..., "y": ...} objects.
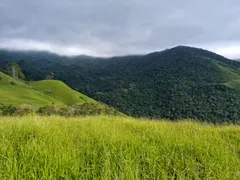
[{"x": 176, "y": 83}]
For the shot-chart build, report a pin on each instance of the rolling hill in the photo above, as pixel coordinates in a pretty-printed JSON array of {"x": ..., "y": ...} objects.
[
  {"x": 181, "y": 82},
  {"x": 38, "y": 93},
  {"x": 60, "y": 91}
]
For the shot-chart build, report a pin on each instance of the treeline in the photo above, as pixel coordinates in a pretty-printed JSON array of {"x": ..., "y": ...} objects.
[{"x": 79, "y": 109}]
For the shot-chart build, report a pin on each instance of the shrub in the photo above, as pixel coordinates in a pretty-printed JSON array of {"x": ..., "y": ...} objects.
[
  {"x": 91, "y": 109},
  {"x": 50, "y": 76},
  {"x": 63, "y": 111},
  {"x": 13, "y": 83},
  {"x": 47, "y": 110},
  {"x": 7, "y": 110},
  {"x": 83, "y": 109},
  {"x": 14, "y": 70},
  {"x": 24, "y": 109},
  {"x": 1, "y": 111}
]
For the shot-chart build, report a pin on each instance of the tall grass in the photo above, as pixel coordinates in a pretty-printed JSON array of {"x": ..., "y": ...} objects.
[{"x": 102, "y": 147}]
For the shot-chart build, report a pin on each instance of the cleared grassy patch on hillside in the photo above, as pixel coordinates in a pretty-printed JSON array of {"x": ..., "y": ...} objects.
[
  {"x": 226, "y": 74},
  {"x": 60, "y": 91},
  {"x": 39, "y": 93},
  {"x": 17, "y": 92},
  {"x": 103, "y": 147}
]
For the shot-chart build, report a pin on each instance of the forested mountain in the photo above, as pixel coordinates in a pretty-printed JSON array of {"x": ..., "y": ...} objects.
[{"x": 181, "y": 82}]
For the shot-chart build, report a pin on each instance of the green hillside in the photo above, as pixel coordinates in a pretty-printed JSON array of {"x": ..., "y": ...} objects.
[
  {"x": 226, "y": 74},
  {"x": 38, "y": 93},
  {"x": 16, "y": 92},
  {"x": 60, "y": 91}
]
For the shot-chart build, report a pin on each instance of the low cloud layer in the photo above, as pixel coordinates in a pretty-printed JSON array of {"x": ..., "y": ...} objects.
[{"x": 113, "y": 27}]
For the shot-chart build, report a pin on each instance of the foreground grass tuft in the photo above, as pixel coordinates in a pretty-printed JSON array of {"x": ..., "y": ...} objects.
[{"x": 102, "y": 147}]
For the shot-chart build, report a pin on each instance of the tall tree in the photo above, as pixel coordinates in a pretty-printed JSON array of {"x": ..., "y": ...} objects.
[{"x": 14, "y": 70}]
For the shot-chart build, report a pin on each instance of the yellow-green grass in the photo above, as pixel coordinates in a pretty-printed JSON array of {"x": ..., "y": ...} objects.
[
  {"x": 103, "y": 147},
  {"x": 234, "y": 84},
  {"x": 38, "y": 93},
  {"x": 60, "y": 91},
  {"x": 16, "y": 95}
]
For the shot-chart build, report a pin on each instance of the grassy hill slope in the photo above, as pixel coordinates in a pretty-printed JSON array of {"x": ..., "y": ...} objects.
[
  {"x": 116, "y": 148},
  {"x": 60, "y": 91},
  {"x": 17, "y": 92},
  {"x": 38, "y": 93}
]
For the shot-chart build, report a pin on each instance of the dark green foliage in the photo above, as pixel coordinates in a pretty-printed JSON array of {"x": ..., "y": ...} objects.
[
  {"x": 177, "y": 83},
  {"x": 79, "y": 109},
  {"x": 7, "y": 110},
  {"x": 14, "y": 70},
  {"x": 21, "y": 110},
  {"x": 13, "y": 83}
]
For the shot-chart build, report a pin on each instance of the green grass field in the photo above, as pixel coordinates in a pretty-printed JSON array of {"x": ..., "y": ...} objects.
[
  {"x": 60, "y": 91},
  {"x": 39, "y": 93},
  {"x": 102, "y": 147}
]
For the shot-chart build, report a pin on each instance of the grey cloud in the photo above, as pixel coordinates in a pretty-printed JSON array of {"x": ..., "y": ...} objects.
[{"x": 113, "y": 27}]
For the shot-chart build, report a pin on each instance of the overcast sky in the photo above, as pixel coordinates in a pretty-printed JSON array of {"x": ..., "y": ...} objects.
[{"x": 120, "y": 27}]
